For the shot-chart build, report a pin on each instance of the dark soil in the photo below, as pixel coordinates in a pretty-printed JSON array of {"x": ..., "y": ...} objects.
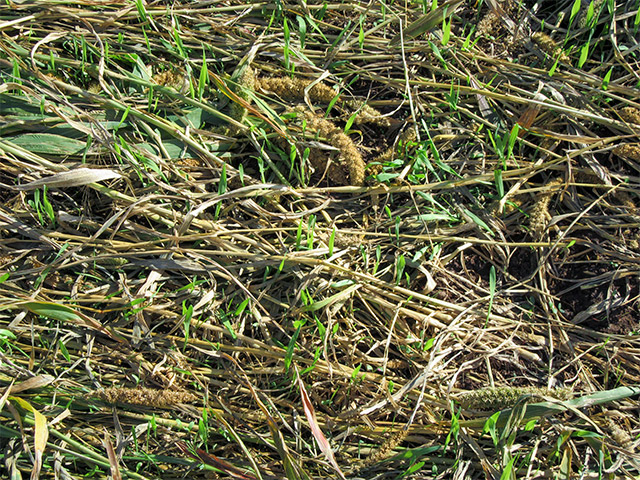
[{"x": 590, "y": 280}]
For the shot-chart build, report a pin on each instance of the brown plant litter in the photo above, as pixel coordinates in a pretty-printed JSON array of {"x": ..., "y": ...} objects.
[{"x": 306, "y": 240}]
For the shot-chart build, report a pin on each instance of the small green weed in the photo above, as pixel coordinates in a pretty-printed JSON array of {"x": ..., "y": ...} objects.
[{"x": 43, "y": 208}]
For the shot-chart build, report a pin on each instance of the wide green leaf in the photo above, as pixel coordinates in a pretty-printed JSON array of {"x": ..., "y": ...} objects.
[
  {"x": 427, "y": 21},
  {"x": 54, "y": 311},
  {"x": 49, "y": 144}
]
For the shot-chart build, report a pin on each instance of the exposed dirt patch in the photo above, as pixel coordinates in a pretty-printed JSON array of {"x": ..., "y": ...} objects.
[
  {"x": 522, "y": 263},
  {"x": 472, "y": 266},
  {"x": 592, "y": 294},
  {"x": 504, "y": 370}
]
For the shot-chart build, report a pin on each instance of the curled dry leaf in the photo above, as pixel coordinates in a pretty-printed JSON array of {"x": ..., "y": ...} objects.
[
  {"x": 322, "y": 441},
  {"x": 72, "y": 178}
]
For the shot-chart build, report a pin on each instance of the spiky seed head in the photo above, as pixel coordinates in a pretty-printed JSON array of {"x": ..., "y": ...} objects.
[
  {"x": 292, "y": 89},
  {"x": 143, "y": 396},
  {"x": 630, "y": 151},
  {"x": 506, "y": 397},
  {"x": 630, "y": 115},
  {"x": 549, "y": 46}
]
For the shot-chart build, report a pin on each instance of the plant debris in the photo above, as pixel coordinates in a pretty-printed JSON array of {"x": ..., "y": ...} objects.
[{"x": 309, "y": 240}]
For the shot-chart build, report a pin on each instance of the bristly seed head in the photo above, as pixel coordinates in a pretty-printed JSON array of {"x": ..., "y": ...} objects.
[
  {"x": 350, "y": 161},
  {"x": 143, "y": 396},
  {"x": 384, "y": 450},
  {"x": 630, "y": 151},
  {"x": 292, "y": 89},
  {"x": 506, "y": 397},
  {"x": 539, "y": 215},
  {"x": 630, "y": 115},
  {"x": 549, "y": 46}
]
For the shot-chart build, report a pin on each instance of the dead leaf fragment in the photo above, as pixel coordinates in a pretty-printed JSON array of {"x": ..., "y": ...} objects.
[{"x": 72, "y": 178}]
